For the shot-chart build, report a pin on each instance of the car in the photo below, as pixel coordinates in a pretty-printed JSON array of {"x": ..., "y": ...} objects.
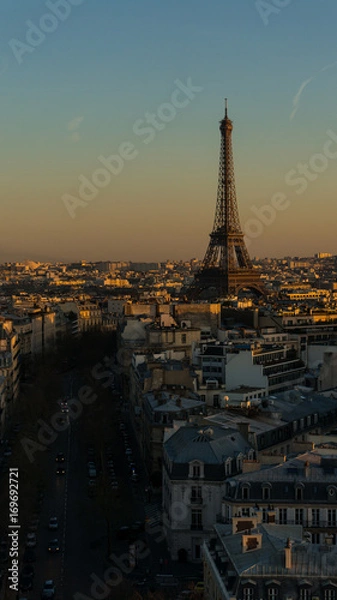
[
  {"x": 25, "y": 583},
  {"x": 199, "y": 587},
  {"x": 53, "y": 523},
  {"x": 138, "y": 526},
  {"x": 92, "y": 473},
  {"x": 28, "y": 571},
  {"x": 114, "y": 485},
  {"x": 8, "y": 451},
  {"x": 185, "y": 595},
  {"x": 30, "y": 540},
  {"x": 33, "y": 524},
  {"x": 3, "y": 555},
  {"x": 123, "y": 533},
  {"x": 128, "y": 451},
  {"x": 48, "y": 590},
  {"x": 29, "y": 555},
  {"x": 60, "y": 457},
  {"x": 134, "y": 478},
  {"x": 64, "y": 409},
  {"x": 54, "y": 546},
  {"x": 60, "y": 471}
]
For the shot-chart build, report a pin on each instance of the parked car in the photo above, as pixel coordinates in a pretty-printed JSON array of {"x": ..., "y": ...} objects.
[
  {"x": 123, "y": 533},
  {"x": 25, "y": 583},
  {"x": 54, "y": 546},
  {"x": 48, "y": 590},
  {"x": 53, "y": 523},
  {"x": 29, "y": 555},
  {"x": 60, "y": 471},
  {"x": 28, "y": 571},
  {"x": 33, "y": 525},
  {"x": 60, "y": 457},
  {"x": 30, "y": 540}
]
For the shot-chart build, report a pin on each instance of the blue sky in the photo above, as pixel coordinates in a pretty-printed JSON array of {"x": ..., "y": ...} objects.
[{"x": 77, "y": 94}]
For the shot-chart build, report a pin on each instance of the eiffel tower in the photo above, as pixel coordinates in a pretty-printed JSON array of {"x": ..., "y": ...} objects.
[{"x": 226, "y": 268}]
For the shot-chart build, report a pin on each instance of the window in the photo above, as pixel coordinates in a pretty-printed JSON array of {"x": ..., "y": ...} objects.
[
  {"x": 305, "y": 594},
  {"x": 216, "y": 400},
  {"x": 196, "y": 471},
  {"x": 183, "y": 338},
  {"x": 196, "y": 495},
  {"x": 332, "y": 521},
  {"x": 196, "y": 516},
  {"x": 266, "y": 493},
  {"x": 298, "y": 516},
  {"x": 299, "y": 493},
  {"x": 282, "y": 516},
  {"x": 248, "y": 593},
  {"x": 272, "y": 593},
  {"x": 228, "y": 466},
  {"x": 315, "y": 517},
  {"x": 315, "y": 538},
  {"x": 245, "y": 492},
  {"x": 330, "y": 595}
]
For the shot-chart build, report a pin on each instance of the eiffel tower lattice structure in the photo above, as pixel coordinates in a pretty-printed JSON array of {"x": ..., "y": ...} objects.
[{"x": 226, "y": 268}]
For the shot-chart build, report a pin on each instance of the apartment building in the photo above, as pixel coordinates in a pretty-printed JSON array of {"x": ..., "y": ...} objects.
[
  {"x": 248, "y": 560},
  {"x": 301, "y": 491},
  {"x": 197, "y": 461}
]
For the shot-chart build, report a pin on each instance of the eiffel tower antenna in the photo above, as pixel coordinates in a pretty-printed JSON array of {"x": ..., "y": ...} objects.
[{"x": 226, "y": 267}]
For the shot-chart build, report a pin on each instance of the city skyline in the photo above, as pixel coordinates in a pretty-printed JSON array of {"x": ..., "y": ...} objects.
[{"x": 69, "y": 105}]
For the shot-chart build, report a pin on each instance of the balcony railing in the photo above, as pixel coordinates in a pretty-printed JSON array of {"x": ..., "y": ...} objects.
[
  {"x": 321, "y": 524},
  {"x": 196, "y": 527},
  {"x": 196, "y": 500}
]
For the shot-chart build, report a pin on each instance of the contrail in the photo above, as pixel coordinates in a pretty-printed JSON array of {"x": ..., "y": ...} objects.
[{"x": 296, "y": 99}]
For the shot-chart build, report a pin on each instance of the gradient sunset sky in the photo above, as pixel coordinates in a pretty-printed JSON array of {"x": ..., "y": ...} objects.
[{"x": 77, "y": 93}]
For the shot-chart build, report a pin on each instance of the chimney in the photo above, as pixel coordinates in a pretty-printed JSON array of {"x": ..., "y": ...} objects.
[
  {"x": 306, "y": 469},
  {"x": 287, "y": 555}
]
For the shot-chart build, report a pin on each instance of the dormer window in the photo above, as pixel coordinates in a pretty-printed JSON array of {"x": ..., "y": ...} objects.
[
  {"x": 228, "y": 466},
  {"x": 196, "y": 470},
  {"x": 245, "y": 491},
  {"x": 332, "y": 492},
  {"x": 239, "y": 459},
  {"x": 299, "y": 492},
  {"x": 266, "y": 489},
  {"x": 251, "y": 455}
]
